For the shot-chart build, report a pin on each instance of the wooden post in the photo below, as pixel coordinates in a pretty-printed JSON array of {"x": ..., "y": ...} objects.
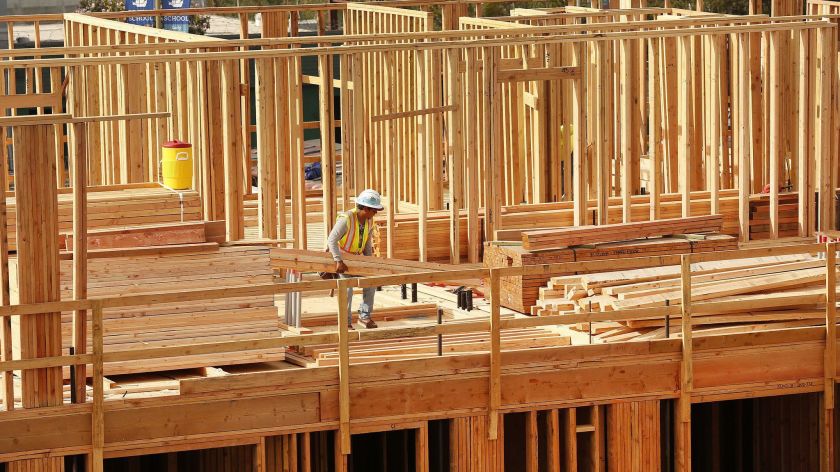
[
  {"x": 495, "y": 355},
  {"x": 424, "y": 138},
  {"x": 421, "y": 448},
  {"x": 743, "y": 155},
  {"x": 79, "y": 163},
  {"x": 266, "y": 148},
  {"x": 552, "y": 440},
  {"x": 655, "y": 141},
  {"x": 570, "y": 444},
  {"x": 327, "y": 123},
  {"x": 581, "y": 167},
  {"x": 348, "y": 133},
  {"x": 775, "y": 132},
  {"x": 259, "y": 455},
  {"x": 805, "y": 196},
  {"x": 471, "y": 153},
  {"x": 626, "y": 126},
  {"x": 830, "y": 361},
  {"x": 683, "y": 433},
  {"x": 5, "y": 321},
  {"x": 716, "y": 102},
  {"x": 684, "y": 148},
  {"x": 38, "y": 264},
  {"x": 454, "y": 131},
  {"x": 343, "y": 368},
  {"x": 532, "y": 456},
  {"x": 391, "y": 158},
  {"x": 492, "y": 57},
  {"x": 98, "y": 415},
  {"x": 298, "y": 184},
  {"x": 602, "y": 159},
  {"x": 822, "y": 156},
  {"x": 234, "y": 215}
]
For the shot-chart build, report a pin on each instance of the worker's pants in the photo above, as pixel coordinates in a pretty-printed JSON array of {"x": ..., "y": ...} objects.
[{"x": 367, "y": 301}]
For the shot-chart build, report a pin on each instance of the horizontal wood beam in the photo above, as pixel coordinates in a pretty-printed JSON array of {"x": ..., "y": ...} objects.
[
  {"x": 543, "y": 73},
  {"x": 33, "y": 100},
  {"x": 411, "y": 114},
  {"x": 315, "y": 80},
  {"x": 65, "y": 118},
  {"x": 515, "y": 36}
]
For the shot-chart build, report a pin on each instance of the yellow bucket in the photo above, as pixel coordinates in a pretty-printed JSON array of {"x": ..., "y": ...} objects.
[{"x": 177, "y": 165}]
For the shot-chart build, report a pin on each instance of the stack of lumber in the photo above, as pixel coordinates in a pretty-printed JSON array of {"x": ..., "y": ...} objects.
[
  {"x": 760, "y": 216},
  {"x": 561, "y": 214},
  {"x": 314, "y": 209},
  {"x": 520, "y": 293},
  {"x": 142, "y": 236},
  {"x": 406, "y": 230},
  {"x": 114, "y": 206},
  {"x": 772, "y": 291},
  {"x": 320, "y": 261},
  {"x": 177, "y": 324},
  {"x": 562, "y": 238},
  {"x": 427, "y": 346}
]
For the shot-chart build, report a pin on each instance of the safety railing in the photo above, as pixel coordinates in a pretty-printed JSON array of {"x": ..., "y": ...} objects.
[{"x": 98, "y": 358}]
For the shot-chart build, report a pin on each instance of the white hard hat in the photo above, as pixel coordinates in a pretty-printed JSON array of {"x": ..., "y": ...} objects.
[{"x": 370, "y": 198}]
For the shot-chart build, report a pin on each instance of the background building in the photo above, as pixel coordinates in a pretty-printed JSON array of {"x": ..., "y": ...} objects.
[{"x": 30, "y": 7}]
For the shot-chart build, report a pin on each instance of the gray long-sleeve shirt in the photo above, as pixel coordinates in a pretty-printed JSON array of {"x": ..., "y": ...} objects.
[{"x": 338, "y": 232}]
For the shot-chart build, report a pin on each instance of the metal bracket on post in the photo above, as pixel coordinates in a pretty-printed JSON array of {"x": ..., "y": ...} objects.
[{"x": 292, "y": 305}]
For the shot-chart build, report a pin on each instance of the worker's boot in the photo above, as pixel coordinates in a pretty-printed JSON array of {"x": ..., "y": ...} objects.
[{"x": 367, "y": 323}]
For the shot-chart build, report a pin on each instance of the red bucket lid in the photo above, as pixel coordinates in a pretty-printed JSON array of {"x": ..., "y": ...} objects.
[{"x": 176, "y": 144}]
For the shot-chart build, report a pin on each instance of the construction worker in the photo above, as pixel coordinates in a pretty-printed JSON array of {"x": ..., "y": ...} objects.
[{"x": 351, "y": 235}]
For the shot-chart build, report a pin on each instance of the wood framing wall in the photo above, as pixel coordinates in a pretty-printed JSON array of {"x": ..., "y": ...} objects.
[
  {"x": 489, "y": 71},
  {"x": 651, "y": 113}
]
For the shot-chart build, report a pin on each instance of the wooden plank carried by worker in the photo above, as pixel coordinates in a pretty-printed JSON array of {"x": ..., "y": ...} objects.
[
  {"x": 318, "y": 261},
  {"x": 575, "y": 236}
]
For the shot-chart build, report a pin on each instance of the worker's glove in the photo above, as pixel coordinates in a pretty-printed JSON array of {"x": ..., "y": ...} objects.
[{"x": 340, "y": 267}]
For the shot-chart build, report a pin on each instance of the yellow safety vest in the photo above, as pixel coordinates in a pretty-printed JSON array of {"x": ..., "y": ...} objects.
[{"x": 351, "y": 242}]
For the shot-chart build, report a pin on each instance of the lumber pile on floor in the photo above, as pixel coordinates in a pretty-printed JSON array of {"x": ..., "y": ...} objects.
[
  {"x": 142, "y": 236},
  {"x": 760, "y": 216},
  {"x": 427, "y": 346},
  {"x": 119, "y": 206},
  {"x": 320, "y": 261},
  {"x": 761, "y": 293},
  {"x": 175, "y": 324},
  {"x": 407, "y": 227},
  {"x": 562, "y": 238},
  {"x": 520, "y": 293},
  {"x": 560, "y": 214}
]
